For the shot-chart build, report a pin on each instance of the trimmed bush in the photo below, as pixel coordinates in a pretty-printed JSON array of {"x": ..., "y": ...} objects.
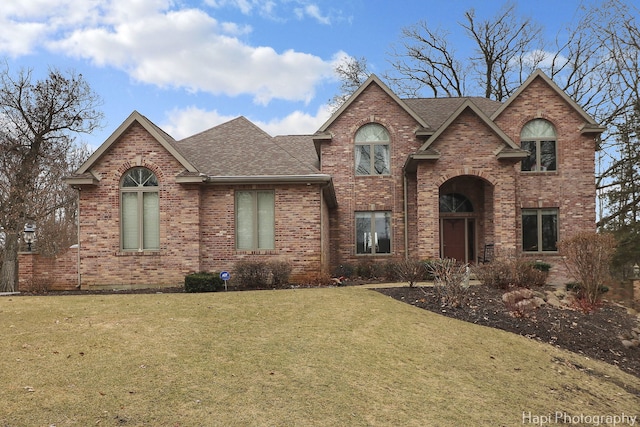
[
  {"x": 542, "y": 266},
  {"x": 344, "y": 270},
  {"x": 252, "y": 274},
  {"x": 203, "y": 282},
  {"x": 280, "y": 272},
  {"x": 506, "y": 272}
]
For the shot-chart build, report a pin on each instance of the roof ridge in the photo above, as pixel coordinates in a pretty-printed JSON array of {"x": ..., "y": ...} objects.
[{"x": 305, "y": 164}]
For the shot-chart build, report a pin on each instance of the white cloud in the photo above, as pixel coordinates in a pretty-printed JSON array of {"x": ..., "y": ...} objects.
[
  {"x": 187, "y": 48},
  {"x": 185, "y": 122},
  {"x": 313, "y": 11},
  {"x": 296, "y": 123}
]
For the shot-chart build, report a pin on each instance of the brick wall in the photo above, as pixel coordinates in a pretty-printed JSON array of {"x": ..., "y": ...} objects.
[
  {"x": 468, "y": 149},
  {"x": 298, "y": 231},
  {"x": 368, "y": 193},
  {"x": 197, "y": 223},
  {"x": 572, "y": 188},
  {"x": 103, "y": 264},
  {"x": 37, "y": 272}
]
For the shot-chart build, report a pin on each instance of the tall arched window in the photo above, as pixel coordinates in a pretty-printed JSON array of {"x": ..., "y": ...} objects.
[
  {"x": 372, "y": 150},
  {"x": 538, "y": 137},
  {"x": 140, "y": 210}
]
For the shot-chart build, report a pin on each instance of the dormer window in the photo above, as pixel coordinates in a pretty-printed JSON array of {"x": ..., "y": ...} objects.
[
  {"x": 372, "y": 150},
  {"x": 538, "y": 137}
]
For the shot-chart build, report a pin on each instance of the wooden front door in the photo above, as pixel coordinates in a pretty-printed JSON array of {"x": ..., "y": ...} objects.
[
  {"x": 453, "y": 238},
  {"x": 458, "y": 238}
]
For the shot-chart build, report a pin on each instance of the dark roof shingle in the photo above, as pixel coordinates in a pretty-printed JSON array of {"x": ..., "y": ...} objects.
[
  {"x": 436, "y": 111},
  {"x": 240, "y": 148}
]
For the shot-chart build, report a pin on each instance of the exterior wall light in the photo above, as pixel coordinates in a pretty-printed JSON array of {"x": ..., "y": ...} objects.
[{"x": 29, "y": 233}]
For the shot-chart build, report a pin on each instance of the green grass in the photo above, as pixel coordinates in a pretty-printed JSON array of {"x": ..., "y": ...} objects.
[{"x": 329, "y": 357}]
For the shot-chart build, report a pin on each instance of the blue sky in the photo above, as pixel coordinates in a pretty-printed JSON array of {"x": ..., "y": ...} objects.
[{"x": 189, "y": 65}]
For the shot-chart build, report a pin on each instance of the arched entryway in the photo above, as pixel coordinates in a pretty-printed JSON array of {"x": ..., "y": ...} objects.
[{"x": 466, "y": 206}]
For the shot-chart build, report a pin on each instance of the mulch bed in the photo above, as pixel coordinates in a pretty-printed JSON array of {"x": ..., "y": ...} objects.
[{"x": 595, "y": 335}]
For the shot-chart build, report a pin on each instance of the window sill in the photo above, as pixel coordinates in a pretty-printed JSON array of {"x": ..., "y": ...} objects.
[
  {"x": 376, "y": 254},
  {"x": 139, "y": 253},
  {"x": 539, "y": 172},
  {"x": 257, "y": 252}
]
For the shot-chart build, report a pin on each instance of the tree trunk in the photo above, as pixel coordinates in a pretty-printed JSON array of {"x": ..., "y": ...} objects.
[{"x": 9, "y": 271}]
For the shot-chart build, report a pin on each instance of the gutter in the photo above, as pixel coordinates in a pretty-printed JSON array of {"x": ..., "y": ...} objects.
[{"x": 269, "y": 179}]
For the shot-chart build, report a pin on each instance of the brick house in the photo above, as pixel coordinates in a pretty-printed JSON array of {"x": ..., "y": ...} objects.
[{"x": 383, "y": 179}]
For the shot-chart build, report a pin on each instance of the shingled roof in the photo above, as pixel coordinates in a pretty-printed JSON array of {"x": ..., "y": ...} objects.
[
  {"x": 240, "y": 148},
  {"x": 436, "y": 111}
]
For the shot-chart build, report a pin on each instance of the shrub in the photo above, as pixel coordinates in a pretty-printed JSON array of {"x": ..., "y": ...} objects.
[
  {"x": 450, "y": 281},
  {"x": 203, "y": 282},
  {"x": 252, "y": 274},
  {"x": 262, "y": 274},
  {"x": 280, "y": 272},
  {"x": 587, "y": 256},
  {"x": 344, "y": 270},
  {"x": 542, "y": 266},
  {"x": 505, "y": 272},
  {"x": 410, "y": 270},
  {"x": 369, "y": 269}
]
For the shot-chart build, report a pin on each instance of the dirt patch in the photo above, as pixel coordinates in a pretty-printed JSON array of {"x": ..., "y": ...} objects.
[{"x": 596, "y": 335}]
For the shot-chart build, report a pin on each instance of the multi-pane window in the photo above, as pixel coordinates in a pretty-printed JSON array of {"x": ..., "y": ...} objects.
[
  {"x": 140, "y": 210},
  {"x": 539, "y": 230},
  {"x": 454, "y": 202},
  {"x": 538, "y": 137},
  {"x": 373, "y": 232},
  {"x": 372, "y": 150},
  {"x": 255, "y": 220}
]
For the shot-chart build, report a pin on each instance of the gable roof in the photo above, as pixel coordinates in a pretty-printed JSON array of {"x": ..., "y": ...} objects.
[
  {"x": 591, "y": 126},
  {"x": 161, "y": 136},
  {"x": 510, "y": 150},
  {"x": 435, "y": 111},
  {"x": 373, "y": 79},
  {"x": 240, "y": 148},
  {"x": 470, "y": 105}
]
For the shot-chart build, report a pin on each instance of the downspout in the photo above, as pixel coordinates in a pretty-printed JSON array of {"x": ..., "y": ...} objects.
[
  {"x": 322, "y": 254},
  {"x": 78, "y": 237},
  {"x": 406, "y": 216}
]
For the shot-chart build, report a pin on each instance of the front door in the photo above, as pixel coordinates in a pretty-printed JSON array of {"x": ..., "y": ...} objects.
[
  {"x": 458, "y": 237},
  {"x": 453, "y": 238}
]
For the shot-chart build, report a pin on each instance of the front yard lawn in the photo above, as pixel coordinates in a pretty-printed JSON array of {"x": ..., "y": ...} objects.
[{"x": 329, "y": 356}]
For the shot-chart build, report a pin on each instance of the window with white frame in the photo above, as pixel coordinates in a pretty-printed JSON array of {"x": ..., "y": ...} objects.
[
  {"x": 539, "y": 230},
  {"x": 255, "y": 220},
  {"x": 373, "y": 232},
  {"x": 538, "y": 137},
  {"x": 372, "y": 150},
  {"x": 140, "y": 210}
]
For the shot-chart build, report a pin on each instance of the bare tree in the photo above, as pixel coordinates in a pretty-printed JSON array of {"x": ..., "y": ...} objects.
[
  {"x": 38, "y": 120},
  {"x": 500, "y": 42},
  {"x": 426, "y": 58},
  {"x": 352, "y": 72}
]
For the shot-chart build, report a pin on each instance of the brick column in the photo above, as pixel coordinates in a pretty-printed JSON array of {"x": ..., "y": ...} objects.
[{"x": 26, "y": 269}]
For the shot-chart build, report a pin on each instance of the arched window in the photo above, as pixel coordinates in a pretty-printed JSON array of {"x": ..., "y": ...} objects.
[
  {"x": 372, "y": 150},
  {"x": 538, "y": 137},
  {"x": 454, "y": 202},
  {"x": 140, "y": 210}
]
